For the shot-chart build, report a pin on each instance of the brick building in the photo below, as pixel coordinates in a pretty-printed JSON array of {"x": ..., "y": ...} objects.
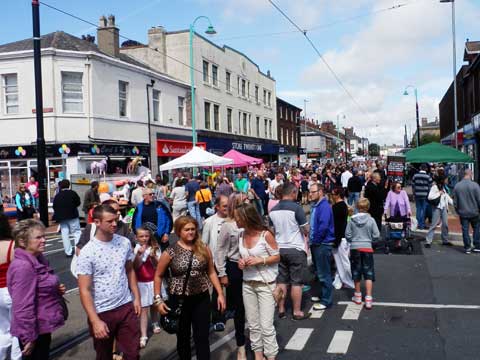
[{"x": 288, "y": 116}]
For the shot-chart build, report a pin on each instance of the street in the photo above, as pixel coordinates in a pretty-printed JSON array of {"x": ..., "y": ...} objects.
[{"x": 425, "y": 307}]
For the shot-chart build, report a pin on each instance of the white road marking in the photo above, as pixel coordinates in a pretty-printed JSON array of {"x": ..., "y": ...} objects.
[
  {"x": 340, "y": 342},
  {"x": 71, "y": 291},
  {"x": 299, "y": 339},
  {"x": 219, "y": 343},
  {"x": 53, "y": 251},
  {"x": 316, "y": 314},
  {"x": 419, "y": 306},
  {"x": 352, "y": 312}
]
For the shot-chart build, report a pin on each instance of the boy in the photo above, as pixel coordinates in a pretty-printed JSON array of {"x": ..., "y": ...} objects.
[{"x": 361, "y": 231}]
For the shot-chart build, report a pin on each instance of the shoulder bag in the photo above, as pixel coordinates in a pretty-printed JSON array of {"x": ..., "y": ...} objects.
[{"x": 171, "y": 322}]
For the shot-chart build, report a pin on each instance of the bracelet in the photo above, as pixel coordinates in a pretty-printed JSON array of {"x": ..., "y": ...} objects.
[{"x": 157, "y": 300}]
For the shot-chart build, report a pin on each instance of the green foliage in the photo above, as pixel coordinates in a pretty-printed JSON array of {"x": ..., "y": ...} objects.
[{"x": 374, "y": 150}]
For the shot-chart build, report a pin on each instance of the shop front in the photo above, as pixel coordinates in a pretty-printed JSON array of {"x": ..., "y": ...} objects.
[
  {"x": 168, "y": 150},
  {"x": 287, "y": 155}
]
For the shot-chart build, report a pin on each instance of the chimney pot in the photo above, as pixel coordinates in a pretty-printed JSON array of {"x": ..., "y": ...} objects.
[
  {"x": 111, "y": 20},
  {"x": 102, "y": 22},
  {"x": 108, "y": 36}
]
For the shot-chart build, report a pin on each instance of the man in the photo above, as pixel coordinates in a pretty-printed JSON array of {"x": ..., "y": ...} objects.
[
  {"x": 105, "y": 279},
  {"x": 65, "y": 212},
  {"x": 122, "y": 228},
  {"x": 291, "y": 231},
  {"x": 91, "y": 197},
  {"x": 241, "y": 183},
  {"x": 354, "y": 188},
  {"x": 257, "y": 187},
  {"x": 421, "y": 184},
  {"x": 153, "y": 213},
  {"x": 466, "y": 199},
  {"x": 346, "y": 175},
  {"x": 137, "y": 194},
  {"x": 210, "y": 232},
  {"x": 277, "y": 181},
  {"x": 376, "y": 194},
  {"x": 191, "y": 188},
  {"x": 322, "y": 237}
]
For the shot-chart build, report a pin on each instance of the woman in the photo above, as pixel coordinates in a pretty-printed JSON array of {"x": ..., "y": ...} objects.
[
  {"x": 341, "y": 250},
  {"x": 36, "y": 292},
  {"x": 230, "y": 275},
  {"x": 397, "y": 204},
  {"x": 196, "y": 300},
  {"x": 8, "y": 343},
  {"x": 259, "y": 257},
  {"x": 439, "y": 200},
  {"x": 204, "y": 199},
  {"x": 24, "y": 203},
  {"x": 179, "y": 199}
]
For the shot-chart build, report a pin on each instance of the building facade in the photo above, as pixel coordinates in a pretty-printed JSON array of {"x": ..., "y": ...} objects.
[
  {"x": 98, "y": 104},
  {"x": 288, "y": 120},
  {"x": 235, "y": 102}
]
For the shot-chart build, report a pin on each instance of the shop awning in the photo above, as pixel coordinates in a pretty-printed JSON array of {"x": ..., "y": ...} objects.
[
  {"x": 195, "y": 158},
  {"x": 436, "y": 153},
  {"x": 240, "y": 159}
]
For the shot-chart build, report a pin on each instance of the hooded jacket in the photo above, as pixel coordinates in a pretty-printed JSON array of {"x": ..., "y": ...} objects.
[{"x": 361, "y": 231}]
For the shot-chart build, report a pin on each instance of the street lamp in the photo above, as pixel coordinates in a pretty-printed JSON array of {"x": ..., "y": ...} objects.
[
  {"x": 454, "y": 70},
  {"x": 338, "y": 129},
  {"x": 405, "y": 93},
  {"x": 210, "y": 31}
]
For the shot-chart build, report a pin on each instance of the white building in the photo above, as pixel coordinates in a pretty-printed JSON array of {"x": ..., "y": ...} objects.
[
  {"x": 235, "y": 101},
  {"x": 95, "y": 103}
]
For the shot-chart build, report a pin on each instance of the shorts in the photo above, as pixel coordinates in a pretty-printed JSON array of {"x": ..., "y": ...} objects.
[
  {"x": 362, "y": 265},
  {"x": 292, "y": 267}
]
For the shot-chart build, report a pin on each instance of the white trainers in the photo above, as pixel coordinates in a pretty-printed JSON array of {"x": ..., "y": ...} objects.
[
  {"x": 319, "y": 306},
  {"x": 357, "y": 298},
  {"x": 368, "y": 302},
  {"x": 315, "y": 299}
]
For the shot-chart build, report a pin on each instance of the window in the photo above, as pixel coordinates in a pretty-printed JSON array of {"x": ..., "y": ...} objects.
[
  {"x": 249, "y": 124},
  {"x": 238, "y": 85},
  {"x": 265, "y": 97},
  {"x": 258, "y": 126},
  {"x": 239, "y": 122},
  {"x": 123, "y": 97},
  {"x": 269, "y": 99},
  {"x": 72, "y": 94},
  {"x": 280, "y": 112},
  {"x": 207, "y": 115},
  {"x": 205, "y": 72},
  {"x": 227, "y": 81},
  {"x": 266, "y": 128},
  {"x": 216, "y": 117},
  {"x": 10, "y": 86},
  {"x": 291, "y": 115},
  {"x": 243, "y": 87},
  {"x": 248, "y": 89},
  {"x": 215, "y": 75},
  {"x": 256, "y": 94},
  {"x": 244, "y": 123},
  {"x": 156, "y": 105},
  {"x": 229, "y": 120},
  {"x": 181, "y": 110},
  {"x": 281, "y": 136},
  {"x": 270, "y": 128}
]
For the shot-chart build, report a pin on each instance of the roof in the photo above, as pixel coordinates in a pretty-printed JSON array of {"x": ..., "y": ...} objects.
[
  {"x": 288, "y": 104},
  {"x": 472, "y": 46}
]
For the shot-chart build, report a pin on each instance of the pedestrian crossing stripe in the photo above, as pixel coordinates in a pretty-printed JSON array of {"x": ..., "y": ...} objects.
[
  {"x": 299, "y": 339},
  {"x": 340, "y": 342}
]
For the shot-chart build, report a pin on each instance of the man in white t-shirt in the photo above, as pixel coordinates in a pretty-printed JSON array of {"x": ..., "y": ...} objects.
[
  {"x": 346, "y": 175},
  {"x": 107, "y": 281},
  {"x": 274, "y": 184}
]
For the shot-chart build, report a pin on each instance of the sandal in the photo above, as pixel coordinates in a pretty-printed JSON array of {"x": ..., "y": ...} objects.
[
  {"x": 357, "y": 298},
  {"x": 156, "y": 328},
  {"x": 368, "y": 302},
  {"x": 143, "y": 342},
  {"x": 282, "y": 315}
]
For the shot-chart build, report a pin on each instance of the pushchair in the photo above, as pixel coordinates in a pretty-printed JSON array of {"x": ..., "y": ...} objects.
[{"x": 398, "y": 234}]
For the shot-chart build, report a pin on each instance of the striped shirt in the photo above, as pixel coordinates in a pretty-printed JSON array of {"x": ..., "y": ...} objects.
[{"x": 422, "y": 182}]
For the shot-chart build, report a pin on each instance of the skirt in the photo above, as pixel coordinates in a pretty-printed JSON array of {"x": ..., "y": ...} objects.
[{"x": 146, "y": 293}]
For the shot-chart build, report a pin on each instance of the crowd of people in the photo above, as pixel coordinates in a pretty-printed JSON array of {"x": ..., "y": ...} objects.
[{"x": 192, "y": 254}]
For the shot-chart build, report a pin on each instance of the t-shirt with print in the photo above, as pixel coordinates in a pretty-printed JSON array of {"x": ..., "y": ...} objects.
[
  {"x": 288, "y": 219},
  {"x": 105, "y": 262}
]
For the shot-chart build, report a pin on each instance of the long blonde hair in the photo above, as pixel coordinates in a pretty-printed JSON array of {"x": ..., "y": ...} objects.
[{"x": 199, "y": 247}]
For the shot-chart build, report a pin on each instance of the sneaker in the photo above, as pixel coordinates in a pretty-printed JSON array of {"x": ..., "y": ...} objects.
[
  {"x": 368, "y": 302},
  {"x": 219, "y": 327},
  {"x": 428, "y": 246},
  {"x": 476, "y": 250},
  {"x": 357, "y": 298},
  {"x": 468, "y": 251},
  {"x": 315, "y": 299},
  {"x": 319, "y": 306}
]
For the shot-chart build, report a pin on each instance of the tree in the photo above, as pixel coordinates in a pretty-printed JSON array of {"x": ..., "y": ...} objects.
[{"x": 373, "y": 150}]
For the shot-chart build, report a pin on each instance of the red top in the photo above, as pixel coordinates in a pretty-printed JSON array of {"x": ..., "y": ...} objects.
[
  {"x": 146, "y": 272},
  {"x": 365, "y": 250},
  {"x": 4, "y": 267}
]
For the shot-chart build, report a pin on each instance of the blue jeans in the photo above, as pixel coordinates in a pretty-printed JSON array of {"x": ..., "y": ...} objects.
[
  {"x": 475, "y": 222},
  {"x": 194, "y": 211},
  {"x": 421, "y": 206},
  {"x": 353, "y": 198},
  {"x": 322, "y": 255},
  {"x": 68, "y": 227}
]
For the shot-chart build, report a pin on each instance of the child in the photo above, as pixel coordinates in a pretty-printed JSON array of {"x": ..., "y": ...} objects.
[
  {"x": 361, "y": 231},
  {"x": 147, "y": 252}
]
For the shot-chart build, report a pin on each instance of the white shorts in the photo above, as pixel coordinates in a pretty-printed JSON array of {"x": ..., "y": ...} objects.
[{"x": 146, "y": 293}]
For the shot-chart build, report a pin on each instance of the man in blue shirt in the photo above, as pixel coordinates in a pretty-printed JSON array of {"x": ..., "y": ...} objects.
[
  {"x": 322, "y": 237},
  {"x": 258, "y": 188}
]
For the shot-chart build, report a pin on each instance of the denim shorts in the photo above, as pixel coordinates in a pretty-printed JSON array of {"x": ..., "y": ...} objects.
[
  {"x": 362, "y": 265},
  {"x": 292, "y": 267}
]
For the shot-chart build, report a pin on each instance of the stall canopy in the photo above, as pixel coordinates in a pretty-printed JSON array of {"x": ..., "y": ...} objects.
[
  {"x": 196, "y": 157},
  {"x": 436, "y": 153},
  {"x": 240, "y": 159}
]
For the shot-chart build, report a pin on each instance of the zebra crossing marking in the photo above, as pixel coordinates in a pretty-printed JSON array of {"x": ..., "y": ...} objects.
[
  {"x": 299, "y": 339},
  {"x": 340, "y": 342}
]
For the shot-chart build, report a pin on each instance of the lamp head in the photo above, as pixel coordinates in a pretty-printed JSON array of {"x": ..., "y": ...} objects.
[
  {"x": 210, "y": 30},
  {"x": 405, "y": 92}
]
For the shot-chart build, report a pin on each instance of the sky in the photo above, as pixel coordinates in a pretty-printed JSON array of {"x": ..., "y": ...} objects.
[{"x": 374, "y": 50}]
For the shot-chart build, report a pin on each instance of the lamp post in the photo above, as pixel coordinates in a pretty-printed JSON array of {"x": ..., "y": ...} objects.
[
  {"x": 454, "y": 70},
  {"x": 405, "y": 93},
  {"x": 338, "y": 129},
  {"x": 210, "y": 31}
]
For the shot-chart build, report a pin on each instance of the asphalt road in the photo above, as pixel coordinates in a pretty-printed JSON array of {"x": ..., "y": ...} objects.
[{"x": 59, "y": 261}]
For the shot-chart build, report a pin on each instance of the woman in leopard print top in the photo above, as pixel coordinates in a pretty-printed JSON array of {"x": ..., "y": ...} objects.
[{"x": 196, "y": 302}]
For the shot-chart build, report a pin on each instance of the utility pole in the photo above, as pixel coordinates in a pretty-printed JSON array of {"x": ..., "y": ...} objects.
[
  {"x": 41, "y": 162},
  {"x": 299, "y": 140}
]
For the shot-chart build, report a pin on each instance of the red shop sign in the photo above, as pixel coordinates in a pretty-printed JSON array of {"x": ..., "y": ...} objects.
[{"x": 175, "y": 148}]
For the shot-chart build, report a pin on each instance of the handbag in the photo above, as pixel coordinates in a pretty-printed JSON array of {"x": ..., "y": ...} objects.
[
  {"x": 63, "y": 304},
  {"x": 205, "y": 207},
  {"x": 171, "y": 321}
]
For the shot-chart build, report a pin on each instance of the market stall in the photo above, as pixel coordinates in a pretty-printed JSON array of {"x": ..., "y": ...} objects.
[
  {"x": 196, "y": 158},
  {"x": 436, "y": 153},
  {"x": 239, "y": 159}
]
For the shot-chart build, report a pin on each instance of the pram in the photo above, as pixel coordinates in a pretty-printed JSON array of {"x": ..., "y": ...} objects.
[{"x": 398, "y": 235}]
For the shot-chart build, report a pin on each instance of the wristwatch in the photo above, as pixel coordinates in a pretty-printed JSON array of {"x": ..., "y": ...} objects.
[{"x": 157, "y": 299}]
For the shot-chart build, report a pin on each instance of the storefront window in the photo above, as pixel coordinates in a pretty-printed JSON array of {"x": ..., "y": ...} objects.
[{"x": 55, "y": 168}]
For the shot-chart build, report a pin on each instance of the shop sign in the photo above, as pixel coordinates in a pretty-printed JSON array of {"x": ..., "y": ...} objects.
[
  {"x": 315, "y": 155},
  {"x": 396, "y": 168},
  {"x": 175, "y": 148},
  {"x": 246, "y": 146},
  {"x": 468, "y": 135}
]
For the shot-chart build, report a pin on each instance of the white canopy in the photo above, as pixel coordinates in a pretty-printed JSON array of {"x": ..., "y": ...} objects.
[{"x": 197, "y": 157}]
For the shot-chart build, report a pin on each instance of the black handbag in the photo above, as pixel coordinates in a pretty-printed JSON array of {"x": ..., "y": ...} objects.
[{"x": 171, "y": 322}]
